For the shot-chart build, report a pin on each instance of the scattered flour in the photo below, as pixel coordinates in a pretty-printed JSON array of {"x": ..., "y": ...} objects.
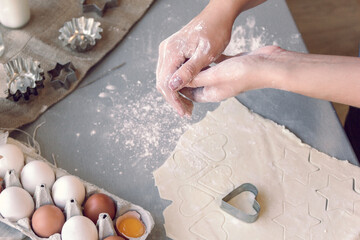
[
  {"x": 110, "y": 87},
  {"x": 145, "y": 126},
  {"x": 103, "y": 95},
  {"x": 248, "y": 37},
  {"x": 295, "y": 38}
]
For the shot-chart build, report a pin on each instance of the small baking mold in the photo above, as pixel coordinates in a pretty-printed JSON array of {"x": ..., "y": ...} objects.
[
  {"x": 93, "y": 7},
  {"x": 24, "y": 78},
  {"x": 62, "y": 75},
  {"x": 80, "y": 34}
]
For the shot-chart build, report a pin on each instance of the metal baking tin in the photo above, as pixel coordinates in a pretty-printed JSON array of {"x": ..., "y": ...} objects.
[
  {"x": 62, "y": 75},
  {"x": 246, "y": 187},
  {"x": 80, "y": 34},
  {"x": 24, "y": 77},
  {"x": 98, "y": 10}
]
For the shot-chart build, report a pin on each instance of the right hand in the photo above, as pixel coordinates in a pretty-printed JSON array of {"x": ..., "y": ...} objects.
[{"x": 184, "y": 54}]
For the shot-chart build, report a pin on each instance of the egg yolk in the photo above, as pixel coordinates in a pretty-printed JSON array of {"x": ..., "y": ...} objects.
[{"x": 131, "y": 227}]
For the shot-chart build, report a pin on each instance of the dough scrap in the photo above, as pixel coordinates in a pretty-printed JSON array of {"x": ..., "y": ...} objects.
[{"x": 303, "y": 193}]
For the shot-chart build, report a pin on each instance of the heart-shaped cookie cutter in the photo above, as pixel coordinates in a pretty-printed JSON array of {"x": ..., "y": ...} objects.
[{"x": 235, "y": 212}]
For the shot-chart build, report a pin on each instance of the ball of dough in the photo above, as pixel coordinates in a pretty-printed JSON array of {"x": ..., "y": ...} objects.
[
  {"x": 16, "y": 203},
  {"x": 36, "y": 173},
  {"x": 66, "y": 188},
  {"x": 79, "y": 228},
  {"x": 11, "y": 157}
]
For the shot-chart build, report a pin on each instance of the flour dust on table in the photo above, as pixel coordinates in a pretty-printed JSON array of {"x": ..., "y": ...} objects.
[
  {"x": 303, "y": 193},
  {"x": 248, "y": 37},
  {"x": 135, "y": 124}
]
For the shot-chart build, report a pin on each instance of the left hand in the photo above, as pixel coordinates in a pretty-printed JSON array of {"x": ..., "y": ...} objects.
[{"x": 233, "y": 75}]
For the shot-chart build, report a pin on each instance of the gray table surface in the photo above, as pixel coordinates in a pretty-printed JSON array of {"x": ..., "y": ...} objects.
[{"x": 117, "y": 130}]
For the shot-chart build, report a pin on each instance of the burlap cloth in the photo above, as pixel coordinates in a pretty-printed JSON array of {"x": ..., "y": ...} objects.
[{"x": 39, "y": 40}]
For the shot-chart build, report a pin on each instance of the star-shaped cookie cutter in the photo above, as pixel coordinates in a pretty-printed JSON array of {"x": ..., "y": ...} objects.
[
  {"x": 235, "y": 212},
  {"x": 98, "y": 10},
  {"x": 62, "y": 75}
]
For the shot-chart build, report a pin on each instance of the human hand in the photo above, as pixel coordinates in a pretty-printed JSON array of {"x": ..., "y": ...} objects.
[
  {"x": 184, "y": 54},
  {"x": 233, "y": 75}
]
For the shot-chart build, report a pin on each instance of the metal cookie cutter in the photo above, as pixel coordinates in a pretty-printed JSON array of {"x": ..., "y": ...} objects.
[
  {"x": 24, "y": 77},
  {"x": 98, "y": 10},
  {"x": 235, "y": 212},
  {"x": 62, "y": 75},
  {"x": 80, "y": 34}
]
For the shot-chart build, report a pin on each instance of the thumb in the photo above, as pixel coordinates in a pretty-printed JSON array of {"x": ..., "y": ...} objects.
[{"x": 186, "y": 73}]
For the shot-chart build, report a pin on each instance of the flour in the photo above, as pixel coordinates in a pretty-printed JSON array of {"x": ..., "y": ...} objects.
[
  {"x": 103, "y": 95},
  {"x": 110, "y": 87},
  {"x": 248, "y": 37},
  {"x": 144, "y": 124}
]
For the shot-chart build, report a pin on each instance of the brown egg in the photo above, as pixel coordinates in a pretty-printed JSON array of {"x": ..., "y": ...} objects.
[
  {"x": 47, "y": 220},
  {"x": 99, "y": 203},
  {"x": 114, "y": 238}
]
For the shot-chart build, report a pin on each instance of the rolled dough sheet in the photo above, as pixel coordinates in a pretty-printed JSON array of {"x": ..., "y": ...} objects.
[{"x": 303, "y": 193}]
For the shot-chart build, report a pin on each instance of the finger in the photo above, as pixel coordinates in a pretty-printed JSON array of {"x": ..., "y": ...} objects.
[
  {"x": 189, "y": 69},
  {"x": 221, "y": 58},
  {"x": 179, "y": 103},
  {"x": 205, "y": 78},
  {"x": 188, "y": 105},
  {"x": 202, "y": 94},
  {"x": 167, "y": 64}
]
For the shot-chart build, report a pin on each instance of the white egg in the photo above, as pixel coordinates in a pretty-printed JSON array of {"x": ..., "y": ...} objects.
[
  {"x": 79, "y": 228},
  {"x": 66, "y": 188},
  {"x": 16, "y": 203},
  {"x": 11, "y": 157},
  {"x": 36, "y": 173}
]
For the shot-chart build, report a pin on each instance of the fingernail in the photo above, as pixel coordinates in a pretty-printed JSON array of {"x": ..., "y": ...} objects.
[
  {"x": 187, "y": 115},
  {"x": 175, "y": 83},
  {"x": 181, "y": 112}
]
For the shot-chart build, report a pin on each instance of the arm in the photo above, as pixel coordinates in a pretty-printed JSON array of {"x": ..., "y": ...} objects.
[
  {"x": 195, "y": 46},
  {"x": 333, "y": 78}
]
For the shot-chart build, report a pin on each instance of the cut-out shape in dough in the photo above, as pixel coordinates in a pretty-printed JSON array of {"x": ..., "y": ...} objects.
[
  {"x": 295, "y": 164},
  {"x": 295, "y": 192},
  {"x": 340, "y": 194},
  {"x": 208, "y": 227},
  {"x": 189, "y": 205},
  {"x": 218, "y": 179},
  {"x": 212, "y": 147},
  {"x": 187, "y": 164},
  {"x": 296, "y": 221}
]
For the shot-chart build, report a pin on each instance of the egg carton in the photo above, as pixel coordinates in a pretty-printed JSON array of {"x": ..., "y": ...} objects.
[{"x": 42, "y": 196}]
